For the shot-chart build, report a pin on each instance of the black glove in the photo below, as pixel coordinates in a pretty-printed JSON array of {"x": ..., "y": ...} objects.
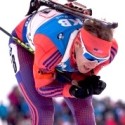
[
  {"x": 93, "y": 83},
  {"x": 89, "y": 86},
  {"x": 99, "y": 88},
  {"x": 79, "y": 92}
]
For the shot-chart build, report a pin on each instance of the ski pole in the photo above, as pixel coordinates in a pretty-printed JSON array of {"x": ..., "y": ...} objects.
[{"x": 18, "y": 41}]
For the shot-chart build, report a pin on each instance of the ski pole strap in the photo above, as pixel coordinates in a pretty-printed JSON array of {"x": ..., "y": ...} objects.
[
  {"x": 18, "y": 41},
  {"x": 66, "y": 9}
]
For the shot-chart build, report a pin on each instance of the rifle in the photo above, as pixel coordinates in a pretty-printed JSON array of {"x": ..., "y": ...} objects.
[
  {"x": 62, "y": 8},
  {"x": 74, "y": 11}
]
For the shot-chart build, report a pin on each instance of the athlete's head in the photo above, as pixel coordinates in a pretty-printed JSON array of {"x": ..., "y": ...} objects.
[{"x": 93, "y": 45}]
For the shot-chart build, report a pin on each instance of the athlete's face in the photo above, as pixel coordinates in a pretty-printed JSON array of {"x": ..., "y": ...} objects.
[{"x": 84, "y": 65}]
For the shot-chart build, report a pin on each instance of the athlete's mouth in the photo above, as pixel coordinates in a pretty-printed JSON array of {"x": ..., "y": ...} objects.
[{"x": 86, "y": 68}]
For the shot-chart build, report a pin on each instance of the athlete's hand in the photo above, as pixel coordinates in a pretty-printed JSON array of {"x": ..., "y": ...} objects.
[
  {"x": 79, "y": 92},
  {"x": 92, "y": 85}
]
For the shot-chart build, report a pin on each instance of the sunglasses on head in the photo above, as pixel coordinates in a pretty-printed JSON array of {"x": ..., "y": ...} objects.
[{"x": 90, "y": 56}]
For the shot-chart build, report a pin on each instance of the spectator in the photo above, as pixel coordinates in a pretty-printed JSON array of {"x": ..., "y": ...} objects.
[{"x": 3, "y": 112}]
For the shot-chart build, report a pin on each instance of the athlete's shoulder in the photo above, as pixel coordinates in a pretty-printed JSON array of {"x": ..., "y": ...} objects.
[
  {"x": 115, "y": 43},
  {"x": 21, "y": 23}
]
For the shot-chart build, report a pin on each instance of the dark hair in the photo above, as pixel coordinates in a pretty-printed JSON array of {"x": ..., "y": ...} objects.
[{"x": 95, "y": 27}]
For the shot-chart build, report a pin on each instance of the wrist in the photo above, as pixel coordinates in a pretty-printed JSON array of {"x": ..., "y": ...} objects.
[{"x": 66, "y": 90}]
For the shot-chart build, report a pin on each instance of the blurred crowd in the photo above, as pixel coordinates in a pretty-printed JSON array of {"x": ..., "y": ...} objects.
[{"x": 107, "y": 112}]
